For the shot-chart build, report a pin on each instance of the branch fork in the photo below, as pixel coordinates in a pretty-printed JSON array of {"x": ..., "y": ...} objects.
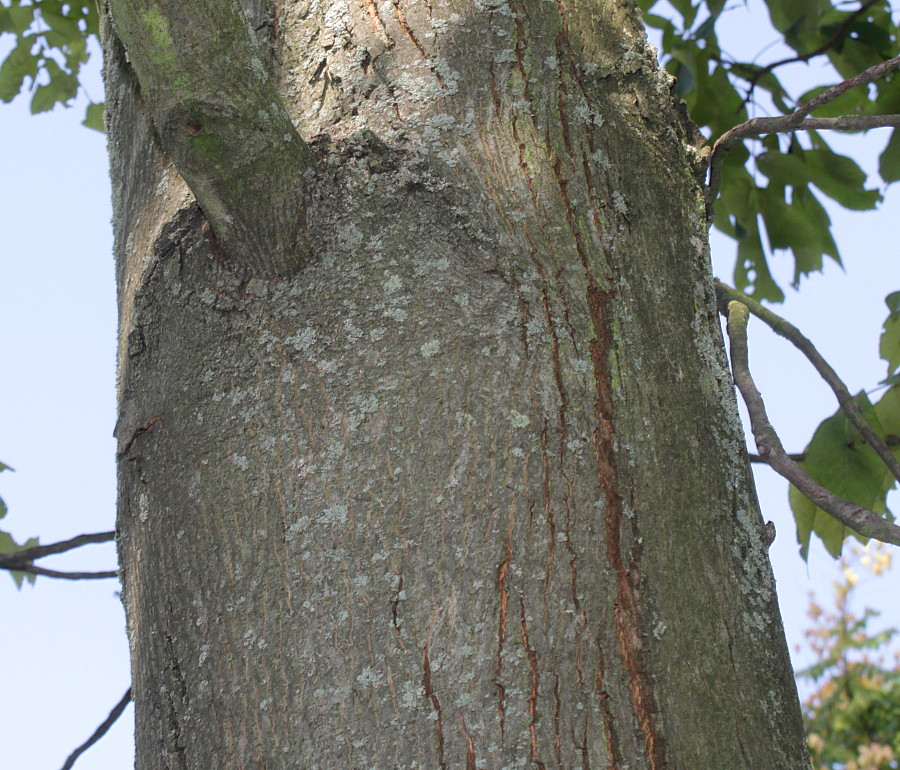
[
  {"x": 799, "y": 121},
  {"x": 736, "y": 307}
]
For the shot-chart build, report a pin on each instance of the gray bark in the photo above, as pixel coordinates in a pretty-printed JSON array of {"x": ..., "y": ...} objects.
[{"x": 468, "y": 489}]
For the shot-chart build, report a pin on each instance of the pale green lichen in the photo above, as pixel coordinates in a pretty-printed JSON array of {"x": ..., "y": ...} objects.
[
  {"x": 519, "y": 420},
  {"x": 156, "y": 28},
  {"x": 431, "y": 348}
]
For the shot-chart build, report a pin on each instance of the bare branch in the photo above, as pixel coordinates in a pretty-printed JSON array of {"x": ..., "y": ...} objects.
[
  {"x": 867, "y": 76},
  {"x": 797, "y": 458},
  {"x": 846, "y": 401},
  {"x": 33, "y": 570},
  {"x": 100, "y": 731},
  {"x": 36, "y": 552},
  {"x": 855, "y": 517},
  {"x": 21, "y": 561},
  {"x": 798, "y": 121},
  {"x": 822, "y": 49}
]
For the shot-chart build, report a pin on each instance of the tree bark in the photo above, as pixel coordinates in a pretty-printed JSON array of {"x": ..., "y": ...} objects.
[{"x": 465, "y": 486}]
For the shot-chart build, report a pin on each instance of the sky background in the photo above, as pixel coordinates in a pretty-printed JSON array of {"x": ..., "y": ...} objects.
[{"x": 63, "y": 650}]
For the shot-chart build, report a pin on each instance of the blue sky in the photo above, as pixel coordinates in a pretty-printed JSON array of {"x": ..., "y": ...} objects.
[{"x": 63, "y": 648}]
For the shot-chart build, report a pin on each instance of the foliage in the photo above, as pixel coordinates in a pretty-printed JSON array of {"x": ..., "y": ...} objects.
[
  {"x": 841, "y": 461},
  {"x": 51, "y": 45},
  {"x": 720, "y": 89},
  {"x": 8, "y": 545},
  {"x": 853, "y": 717}
]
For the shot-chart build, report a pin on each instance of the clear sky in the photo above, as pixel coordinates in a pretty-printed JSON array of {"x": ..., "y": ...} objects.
[{"x": 63, "y": 647}]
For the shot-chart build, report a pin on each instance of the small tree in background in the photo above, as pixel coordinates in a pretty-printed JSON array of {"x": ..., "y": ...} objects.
[{"x": 853, "y": 715}]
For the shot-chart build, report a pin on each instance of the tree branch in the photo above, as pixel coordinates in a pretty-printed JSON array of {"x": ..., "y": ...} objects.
[
  {"x": 846, "y": 401},
  {"x": 37, "y": 551},
  {"x": 21, "y": 561},
  {"x": 822, "y": 49},
  {"x": 797, "y": 458},
  {"x": 855, "y": 517},
  {"x": 220, "y": 118},
  {"x": 100, "y": 731},
  {"x": 867, "y": 76},
  {"x": 33, "y": 570},
  {"x": 798, "y": 121}
]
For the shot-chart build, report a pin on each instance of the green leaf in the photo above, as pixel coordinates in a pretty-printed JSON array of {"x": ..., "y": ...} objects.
[
  {"x": 797, "y": 20},
  {"x": 840, "y": 178},
  {"x": 687, "y": 10},
  {"x": 787, "y": 226},
  {"x": 8, "y": 545},
  {"x": 810, "y": 518},
  {"x": 62, "y": 88},
  {"x": 888, "y": 412},
  {"x": 892, "y": 300},
  {"x": 657, "y": 22},
  {"x": 844, "y": 464},
  {"x": 3, "y": 509},
  {"x": 94, "y": 117},
  {"x": 751, "y": 272},
  {"x": 809, "y": 256},
  {"x": 889, "y": 345},
  {"x": 63, "y": 25},
  {"x": 17, "y": 19},
  {"x": 889, "y": 162},
  {"x": 20, "y": 64},
  {"x": 784, "y": 169}
]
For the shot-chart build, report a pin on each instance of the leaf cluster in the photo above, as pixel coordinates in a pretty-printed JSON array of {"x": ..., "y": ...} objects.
[
  {"x": 853, "y": 717},
  {"x": 772, "y": 188},
  {"x": 51, "y": 45},
  {"x": 839, "y": 459}
]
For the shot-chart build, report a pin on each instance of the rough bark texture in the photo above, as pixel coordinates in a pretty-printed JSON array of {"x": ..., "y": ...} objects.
[
  {"x": 468, "y": 490},
  {"x": 220, "y": 119}
]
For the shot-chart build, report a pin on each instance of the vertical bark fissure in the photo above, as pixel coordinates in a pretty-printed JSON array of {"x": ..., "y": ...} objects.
[
  {"x": 627, "y": 616},
  {"x": 613, "y": 746},
  {"x": 471, "y": 759},
  {"x": 503, "y": 610},
  {"x": 534, "y": 689},
  {"x": 430, "y": 693},
  {"x": 627, "y": 611}
]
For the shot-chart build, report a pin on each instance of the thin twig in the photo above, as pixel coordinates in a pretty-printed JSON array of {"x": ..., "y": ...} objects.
[
  {"x": 866, "y": 76},
  {"x": 855, "y": 517},
  {"x": 797, "y": 458},
  {"x": 846, "y": 401},
  {"x": 822, "y": 49},
  {"x": 37, "y": 551},
  {"x": 100, "y": 731},
  {"x": 782, "y": 125},
  {"x": 34, "y": 570},
  {"x": 798, "y": 121},
  {"x": 21, "y": 561}
]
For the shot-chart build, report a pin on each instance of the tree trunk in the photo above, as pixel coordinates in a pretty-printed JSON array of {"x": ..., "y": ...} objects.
[{"x": 453, "y": 478}]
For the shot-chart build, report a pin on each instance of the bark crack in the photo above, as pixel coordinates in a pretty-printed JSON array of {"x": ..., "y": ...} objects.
[
  {"x": 431, "y": 694},
  {"x": 501, "y": 632},
  {"x": 174, "y": 740},
  {"x": 533, "y": 692},
  {"x": 627, "y": 609}
]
